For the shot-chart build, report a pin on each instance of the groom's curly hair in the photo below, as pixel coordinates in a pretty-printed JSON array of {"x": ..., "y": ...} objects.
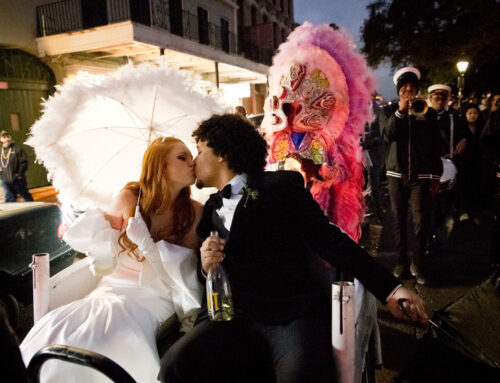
[{"x": 236, "y": 140}]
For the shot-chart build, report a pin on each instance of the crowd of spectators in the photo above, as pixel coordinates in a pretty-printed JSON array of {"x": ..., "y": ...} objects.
[{"x": 469, "y": 138}]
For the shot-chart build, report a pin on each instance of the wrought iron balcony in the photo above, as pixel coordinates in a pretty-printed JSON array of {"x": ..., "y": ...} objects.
[{"x": 74, "y": 15}]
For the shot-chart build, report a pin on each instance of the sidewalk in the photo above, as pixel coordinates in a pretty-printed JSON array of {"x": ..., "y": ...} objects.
[
  {"x": 43, "y": 194},
  {"x": 460, "y": 262}
]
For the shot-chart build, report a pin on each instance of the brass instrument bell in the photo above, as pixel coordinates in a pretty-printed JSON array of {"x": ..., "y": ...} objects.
[{"x": 418, "y": 107}]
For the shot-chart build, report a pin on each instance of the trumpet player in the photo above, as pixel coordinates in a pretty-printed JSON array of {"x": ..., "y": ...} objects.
[{"x": 413, "y": 169}]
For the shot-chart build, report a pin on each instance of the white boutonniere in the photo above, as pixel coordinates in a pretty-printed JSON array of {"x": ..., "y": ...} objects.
[{"x": 249, "y": 193}]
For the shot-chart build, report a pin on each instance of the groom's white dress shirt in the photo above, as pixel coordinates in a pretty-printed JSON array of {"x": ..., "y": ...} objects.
[{"x": 226, "y": 212}]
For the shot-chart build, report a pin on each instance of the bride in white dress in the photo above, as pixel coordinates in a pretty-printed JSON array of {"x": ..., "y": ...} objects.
[{"x": 150, "y": 268}]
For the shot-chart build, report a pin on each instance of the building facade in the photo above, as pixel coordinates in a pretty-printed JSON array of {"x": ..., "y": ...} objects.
[
  {"x": 226, "y": 44},
  {"x": 262, "y": 26}
]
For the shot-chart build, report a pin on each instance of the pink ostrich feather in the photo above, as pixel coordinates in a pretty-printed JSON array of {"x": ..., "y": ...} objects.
[{"x": 343, "y": 201}]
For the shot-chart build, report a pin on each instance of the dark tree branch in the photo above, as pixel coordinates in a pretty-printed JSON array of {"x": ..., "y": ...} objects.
[{"x": 433, "y": 35}]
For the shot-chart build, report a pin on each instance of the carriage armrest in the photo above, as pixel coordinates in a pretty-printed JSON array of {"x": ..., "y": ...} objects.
[
  {"x": 62, "y": 285},
  {"x": 77, "y": 356}
]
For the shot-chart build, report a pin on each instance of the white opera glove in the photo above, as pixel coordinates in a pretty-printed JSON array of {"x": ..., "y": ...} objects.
[{"x": 138, "y": 232}]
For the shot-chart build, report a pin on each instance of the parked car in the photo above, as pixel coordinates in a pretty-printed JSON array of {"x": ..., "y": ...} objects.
[{"x": 28, "y": 228}]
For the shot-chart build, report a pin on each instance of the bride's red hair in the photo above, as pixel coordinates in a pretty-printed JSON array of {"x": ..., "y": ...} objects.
[{"x": 155, "y": 196}]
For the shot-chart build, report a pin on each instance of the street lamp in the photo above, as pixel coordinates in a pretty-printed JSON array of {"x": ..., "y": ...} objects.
[{"x": 462, "y": 67}]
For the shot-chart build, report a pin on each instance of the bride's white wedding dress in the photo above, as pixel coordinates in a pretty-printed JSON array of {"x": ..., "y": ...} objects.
[{"x": 119, "y": 319}]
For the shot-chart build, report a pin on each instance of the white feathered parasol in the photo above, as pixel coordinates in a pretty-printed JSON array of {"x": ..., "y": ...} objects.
[{"x": 95, "y": 128}]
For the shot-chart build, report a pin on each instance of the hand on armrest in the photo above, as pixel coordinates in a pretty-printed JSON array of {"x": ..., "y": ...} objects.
[{"x": 405, "y": 304}]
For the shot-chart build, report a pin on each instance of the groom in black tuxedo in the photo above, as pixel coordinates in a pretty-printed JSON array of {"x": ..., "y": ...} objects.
[{"x": 269, "y": 224}]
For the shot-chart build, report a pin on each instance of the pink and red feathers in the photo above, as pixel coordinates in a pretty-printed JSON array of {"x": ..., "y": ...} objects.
[{"x": 333, "y": 52}]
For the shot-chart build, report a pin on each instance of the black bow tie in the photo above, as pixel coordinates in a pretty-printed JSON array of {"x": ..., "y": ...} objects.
[{"x": 217, "y": 197}]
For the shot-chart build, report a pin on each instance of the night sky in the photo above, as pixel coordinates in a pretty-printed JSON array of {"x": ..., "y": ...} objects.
[{"x": 348, "y": 14}]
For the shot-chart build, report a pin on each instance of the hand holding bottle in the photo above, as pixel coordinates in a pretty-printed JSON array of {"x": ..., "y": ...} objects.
[
  {"x": 212, "y": 252},
  {"x": 219, "y": 296}
]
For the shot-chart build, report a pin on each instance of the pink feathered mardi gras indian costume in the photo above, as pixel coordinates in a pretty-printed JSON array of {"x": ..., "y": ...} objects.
[{"x": 319, "y": 102}]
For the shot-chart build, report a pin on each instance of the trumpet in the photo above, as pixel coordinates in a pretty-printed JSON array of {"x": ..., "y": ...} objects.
[{"x": 418, "y": 107}]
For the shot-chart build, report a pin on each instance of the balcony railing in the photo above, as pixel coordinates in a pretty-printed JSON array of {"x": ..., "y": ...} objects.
[
  {"x": 73, "y": 15},
  {"x": 210, "y": 35},
  {"x": 257, "y": 42},
  {"x": 60, "y": 17},
  {"x": 258, "y": 53}
]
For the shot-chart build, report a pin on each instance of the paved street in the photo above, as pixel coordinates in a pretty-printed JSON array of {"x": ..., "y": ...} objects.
[{"x": 459, "y": 262}]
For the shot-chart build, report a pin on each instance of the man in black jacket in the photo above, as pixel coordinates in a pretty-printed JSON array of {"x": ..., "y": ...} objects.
[
  {"x": 13, "y": 169},
  {"x": 453, "y": 142},
  {"x": 490, "y": 147},
  {"x": 413, "y": 168},
  {"x": 451, "y": 129},
  {"x": 269, "y": 224}
]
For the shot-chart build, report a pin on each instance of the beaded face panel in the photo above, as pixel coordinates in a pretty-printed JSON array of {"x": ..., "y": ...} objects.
[{"x": 304, "y": 105}]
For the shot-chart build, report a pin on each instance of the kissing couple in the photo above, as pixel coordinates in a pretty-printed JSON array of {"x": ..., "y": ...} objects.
[{"x": 268, "y": 225}]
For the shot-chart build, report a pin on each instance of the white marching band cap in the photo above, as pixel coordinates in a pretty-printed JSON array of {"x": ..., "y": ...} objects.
[
  {"x": 439, "y": 87},
  {"x": 402, "y": 71}
]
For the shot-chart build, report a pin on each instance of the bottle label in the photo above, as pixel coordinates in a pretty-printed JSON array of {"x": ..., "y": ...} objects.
[{"x": 212, "y": 301}]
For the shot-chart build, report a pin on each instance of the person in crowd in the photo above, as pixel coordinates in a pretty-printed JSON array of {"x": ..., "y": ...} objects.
[
  {"x": 490, "y": 147},
  {"x": 453, "y": 141},
  {"x": 240, "y": 111},
  {"x": 452, "y": 132},
  {"x": 455, "y": 105},
  {"x": 145, "y": 250},
  {"x": 13, "y": 169},
  {"x": 470, "y": 167},
  {"x": 413, "y": 168},
  {"x": 493, "y": 104},
  {"x": 268, "y": 224},
  {"x": 375, "y": 145},
  {"x": 484, "y": 103}
]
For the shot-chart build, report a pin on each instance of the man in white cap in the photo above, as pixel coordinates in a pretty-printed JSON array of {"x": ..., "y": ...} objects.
[
  {"x": 413, "y": 168},
  {"x": 452, "y": 132},
  {"x": 453, "y": 142}
]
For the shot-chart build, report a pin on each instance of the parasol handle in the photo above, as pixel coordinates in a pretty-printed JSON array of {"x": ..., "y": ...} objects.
[{"x": 137, "y": 207}]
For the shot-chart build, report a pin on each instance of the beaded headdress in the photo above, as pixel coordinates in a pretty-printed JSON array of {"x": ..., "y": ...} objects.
[{"x": 319, "y": 102}]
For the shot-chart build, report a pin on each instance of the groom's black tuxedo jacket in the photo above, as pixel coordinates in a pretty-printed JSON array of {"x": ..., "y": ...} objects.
[{"x": 268, "y": 248}]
